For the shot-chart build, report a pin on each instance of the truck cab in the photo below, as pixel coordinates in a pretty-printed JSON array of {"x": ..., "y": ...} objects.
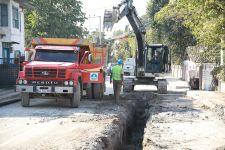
[{"x": 62, "y": 68}]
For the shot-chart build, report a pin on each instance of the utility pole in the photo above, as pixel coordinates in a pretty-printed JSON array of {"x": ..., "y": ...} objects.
[
  {"x": 100, "y": 27},
  {"x": 100, "y": 34}
]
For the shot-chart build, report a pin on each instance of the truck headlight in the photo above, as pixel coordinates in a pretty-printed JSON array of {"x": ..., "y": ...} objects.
[
  {"x": 24, "y": 81},
  {"x": 71, "y": 83},
  {"x": 20, "y": 81},
  {"x": 66, "y": 83}
]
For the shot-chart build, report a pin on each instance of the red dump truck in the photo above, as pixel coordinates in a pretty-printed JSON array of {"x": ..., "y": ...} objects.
[{"x": 63, "y": 68}]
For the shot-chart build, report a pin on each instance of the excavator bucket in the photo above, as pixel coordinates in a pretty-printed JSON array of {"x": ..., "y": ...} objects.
[{"x": 110, "y": 18}]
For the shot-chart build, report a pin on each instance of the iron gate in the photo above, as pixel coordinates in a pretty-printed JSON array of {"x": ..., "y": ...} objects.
[{"x": 9, "y": 69}]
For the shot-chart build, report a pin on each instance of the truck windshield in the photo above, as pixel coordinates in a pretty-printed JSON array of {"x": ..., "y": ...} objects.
[{"x": 55, "y": 56}]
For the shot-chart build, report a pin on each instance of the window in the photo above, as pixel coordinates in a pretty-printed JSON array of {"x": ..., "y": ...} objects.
[
  {"x": 55, "y": 55},
  {"x": 3, "y": 15},
  {"x": 15, "y": 17}
]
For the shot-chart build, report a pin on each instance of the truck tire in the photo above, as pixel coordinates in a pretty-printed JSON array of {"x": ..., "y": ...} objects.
[
  {"x": 75, "y": 101},
  {"x": 98, "y": 91},
  {"x": 89, "y": 91},
  {"x": 25, "y": 99}
]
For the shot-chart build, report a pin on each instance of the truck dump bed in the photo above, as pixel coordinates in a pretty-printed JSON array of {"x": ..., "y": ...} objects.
[
  {"x": 61, "y": 41},
  {"x": 99, "y": 53}
]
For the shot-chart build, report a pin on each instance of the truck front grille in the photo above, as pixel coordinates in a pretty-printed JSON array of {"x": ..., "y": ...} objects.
[
  {"x": 45, "y": 73},
  {"x": 28, "y": 72},
  {"x": 62, "y": 73}
]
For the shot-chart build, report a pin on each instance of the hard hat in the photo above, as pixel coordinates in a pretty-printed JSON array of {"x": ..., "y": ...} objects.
[{"x": 120, "y": 61}]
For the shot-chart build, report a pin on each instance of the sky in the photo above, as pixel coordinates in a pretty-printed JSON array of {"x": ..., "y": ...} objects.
[{"x": 95, "y": 8}]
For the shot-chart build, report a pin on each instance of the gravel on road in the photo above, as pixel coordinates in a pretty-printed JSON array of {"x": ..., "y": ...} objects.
[
  {"x": 47, "y": 125},
  {"x": 180, "y": 122}
]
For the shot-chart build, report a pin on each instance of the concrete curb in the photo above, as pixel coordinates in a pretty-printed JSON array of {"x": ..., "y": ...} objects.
[
  {"x": 8, "y": 97},
  {"x": 9, "y": 101}
]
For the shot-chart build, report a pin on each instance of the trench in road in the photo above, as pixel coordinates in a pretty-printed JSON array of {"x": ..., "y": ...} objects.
[
  {"x": 135, "y": 130},
  {"x": 143, "y": 111}
]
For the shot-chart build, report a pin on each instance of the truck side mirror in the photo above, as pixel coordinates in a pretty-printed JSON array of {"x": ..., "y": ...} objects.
[{"x": 89, "y": 58}]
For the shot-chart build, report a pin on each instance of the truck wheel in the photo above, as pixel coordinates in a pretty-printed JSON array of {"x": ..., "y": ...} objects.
[
  {"x": 89, "y": 91},
  {"x": 25, "y": 102},
  {"x": 98, "y": 91},
  {"x": 75, "y": 101}
]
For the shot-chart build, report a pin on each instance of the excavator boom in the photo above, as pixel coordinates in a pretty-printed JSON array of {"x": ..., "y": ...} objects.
[{"x": 126, "y": 8}]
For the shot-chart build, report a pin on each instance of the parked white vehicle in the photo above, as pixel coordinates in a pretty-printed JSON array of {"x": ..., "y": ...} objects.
[{"x": 129, "y": 67}]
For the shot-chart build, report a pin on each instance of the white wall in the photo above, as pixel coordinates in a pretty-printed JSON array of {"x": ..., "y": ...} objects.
[
  {"x": 6, "y": 30},
  {"x": 13, "y": 34},
  {"x": 17, "y": 35}
]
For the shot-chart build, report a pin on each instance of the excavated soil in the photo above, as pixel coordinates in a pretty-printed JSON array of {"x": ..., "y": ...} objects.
[{"x": 180, "y": 122}]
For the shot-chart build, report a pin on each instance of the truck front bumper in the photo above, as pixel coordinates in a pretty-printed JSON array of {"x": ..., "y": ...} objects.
[{"x": 45, "y": 89}]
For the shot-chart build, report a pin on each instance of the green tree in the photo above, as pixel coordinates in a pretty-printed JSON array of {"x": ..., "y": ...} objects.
[
  {"x": 166, "y": 27},
  {"x": 174, "y": 33},
  {"x": 54, "y": 18},
  {"x": 118, "y": 32},
  {"x": 205, "y": 19},
  {"x": 95, "y": 37},
  {"x": 125, "y": 45}
]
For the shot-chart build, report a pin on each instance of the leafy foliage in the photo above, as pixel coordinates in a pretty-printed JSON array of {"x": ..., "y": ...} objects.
[
  {"x": 219, "y": 73},
  {"x": 205, "y": 18},
  {"x": 54, "y": 18},
  {"x": 168, "y": 29},
  {"x": 201, "y": 54},
  {"x": 95, "y": 37},
  {"x": 118, "y": 32},
  {"x": 184, "y": 23},
  {"x": 124, "y": 44},
  {"x": 125, "y": 47}
]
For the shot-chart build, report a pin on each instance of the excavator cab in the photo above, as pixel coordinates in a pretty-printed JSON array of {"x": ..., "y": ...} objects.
[{"x": 157, "y": 58}]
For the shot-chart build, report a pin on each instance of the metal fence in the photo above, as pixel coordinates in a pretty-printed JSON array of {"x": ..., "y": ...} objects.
[{"x": 9, "y": 69}]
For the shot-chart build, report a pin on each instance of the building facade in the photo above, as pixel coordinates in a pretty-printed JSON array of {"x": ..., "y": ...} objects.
[{"x": 12, "y": 36}]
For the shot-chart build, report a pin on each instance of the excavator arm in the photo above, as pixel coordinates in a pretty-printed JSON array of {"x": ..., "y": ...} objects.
[{"x": 126, "y": 8}]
